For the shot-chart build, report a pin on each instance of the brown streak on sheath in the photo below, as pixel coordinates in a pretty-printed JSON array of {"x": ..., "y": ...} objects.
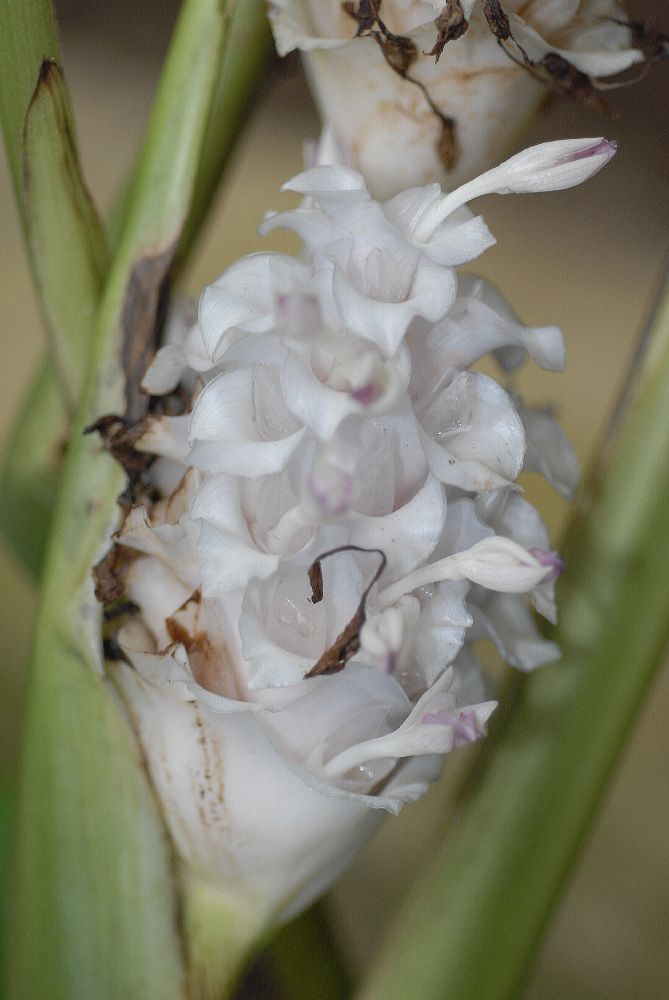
[
  {"x": 142, "y": 321},
  {"x": 447, "y": 146}
]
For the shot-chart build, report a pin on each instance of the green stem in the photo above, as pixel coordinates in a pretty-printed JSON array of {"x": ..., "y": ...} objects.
[
  {"x": 242, "y": 69},
  {"x": 5, "y": 838},
  {"x": 473, "y": 923},
  {"x": 307, "y": 960}
]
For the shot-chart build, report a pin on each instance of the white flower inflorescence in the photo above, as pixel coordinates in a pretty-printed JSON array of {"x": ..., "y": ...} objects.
[{"x": 339, "y": 522}]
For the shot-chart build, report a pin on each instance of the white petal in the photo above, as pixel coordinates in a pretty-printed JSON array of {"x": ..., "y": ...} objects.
[
  {"x": 414, "y": 736},
  {"x": 385, "y": 323},
  {"x": 474, "y": 438},
  {"x": 224, "y": 420},
  {"x": 316, "y": 405},
  {"x": 549, "y": 451},
  {"x": 228, "y": 555},
  {"x": 324, "y": 179},
  {"x": 173, "y": 544},
  {"x": 484, "y": 321},
  {"x": 408, "y": 535},
  {"x": 508, "y": 622},
  {"x": 243, "y": 297},
  {"x": 595, "y": 63},
  {"x": 166, "y": 436},
  {"x": 443, "y": 623},
  {"x": 157, "y": 592}
]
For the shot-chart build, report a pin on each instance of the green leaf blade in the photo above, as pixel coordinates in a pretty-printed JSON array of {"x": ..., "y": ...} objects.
[{"x": 65, "y": 237}]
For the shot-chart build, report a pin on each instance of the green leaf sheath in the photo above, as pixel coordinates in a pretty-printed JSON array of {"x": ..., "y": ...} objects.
[
  {"x": 25, "y": 522},
  {"x": 307, "y": 960},
  {"x": 5, "y": 837},
  {"x": 65, "y": 241},
  {"x": 95, "y": 903},
  {"x": 29, "y": 477},
  {"x": 65, "y": 237},
  {"x": 246, "y": 53},
  {"x": 27, "y": 39},
  {"x": 473, "y": 923}
]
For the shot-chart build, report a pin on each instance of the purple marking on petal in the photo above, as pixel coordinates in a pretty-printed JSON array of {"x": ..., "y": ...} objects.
[
  {"x": 334, "y": 500},
  {"x": 366, "y": 394},
  {"x": 604, "y": 146},
  {"x": 391, "y": 662},
  {"x": 552, "y": 559},
  {"x": 466, "y": 729},
  {"x": 465, "y": 725}
]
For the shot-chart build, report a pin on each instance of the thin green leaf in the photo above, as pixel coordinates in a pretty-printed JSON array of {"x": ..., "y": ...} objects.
[
  {"x": 64, "y": 237},
  {"x": 95, "y": 901},
  {"x": 474, "y": 921},
  {"x": 67, "y": 244}
]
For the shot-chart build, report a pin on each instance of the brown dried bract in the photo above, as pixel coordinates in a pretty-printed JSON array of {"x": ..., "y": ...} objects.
[
  {"x": 365, "y": 14},
  {"x": 399, "y": 51},
  {"x": 119, "y": 438},
  {"x": 653, "y": 43},
  {"x": 450, "y": 24},
  {"x": 562, "y": 76},
  {"x": 497, "y": 20},
  {"x": 347, "y": 643},
  {"x": 316, "y": 580},
  {"x": 109, "y": 574}
]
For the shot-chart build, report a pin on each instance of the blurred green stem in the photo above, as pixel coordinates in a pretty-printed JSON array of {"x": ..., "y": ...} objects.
[
  {"x": 307, "y": 960},
  {"x": 29, "y": 477},
  {"x": 473, "y": 922}
]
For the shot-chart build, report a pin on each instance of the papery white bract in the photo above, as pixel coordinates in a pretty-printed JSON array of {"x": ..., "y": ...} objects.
[
  {"x": 338, "y": 521},
  {"x": 385, "y": 121}
]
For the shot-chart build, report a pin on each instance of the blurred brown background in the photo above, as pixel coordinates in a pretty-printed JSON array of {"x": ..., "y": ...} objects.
[{"x": 587, "y": 259}]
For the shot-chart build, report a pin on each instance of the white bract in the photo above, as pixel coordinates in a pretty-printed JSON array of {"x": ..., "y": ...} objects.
[
  {"x": 385, "y": 121},
  {"x": 337, "y": 521}
]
